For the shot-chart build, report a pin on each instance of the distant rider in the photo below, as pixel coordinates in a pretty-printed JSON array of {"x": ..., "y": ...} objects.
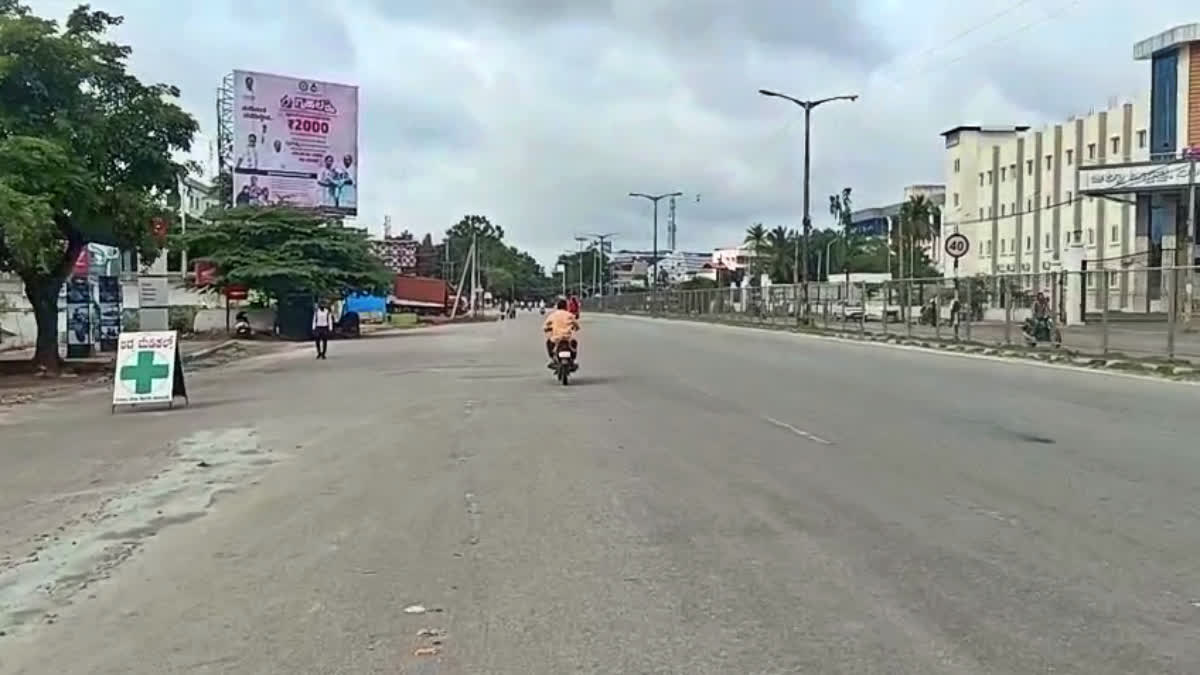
[
  {"x": 561, "y": 324},
  {"x": 573, "y": 306}
]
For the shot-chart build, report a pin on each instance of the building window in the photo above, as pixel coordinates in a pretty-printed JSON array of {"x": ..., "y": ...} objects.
[
  {"x": 1003, "y": 173},
  {"x": 981, "y": 213},
  {"x": 1049, "y": 162},
  {"x": 1070, "y": 157},
  {"x": 1012, "y": 207},
  {"x": 1047, "y": 242},
  {"x": 989, "y": 177},
  {"x": 1112, "y": 281},
  {"x": 1141, "y": 139},
  {"x": 981, "y": 178},
  {"x": 1091, "y": 280},
  {"x": 1029, "y": 167},
  {"x": 1068, "y": 196},
  {"x": 1091, "y": 151},
  {"x": 1028, "y": 204},
  {"x": 1004, "y": 246},
  {"x": 1002, "y": 209},
  {"x": 1028, "y": 243},
  {"x": 955, "y": 203},
  {"x": 1091, "y": 236},
  {"x": 990, "y": 212},
  {"x": 989, "y": 246},
  {"x": 956, "y": 165},
  {"x": 1116, "y": 144},
  {"x": 1113, "y": 239}
]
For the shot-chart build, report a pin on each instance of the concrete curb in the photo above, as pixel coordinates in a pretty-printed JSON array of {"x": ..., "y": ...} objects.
[
  {"x": 207, "y": 351},
  {"x": 1113, "y": 364}
]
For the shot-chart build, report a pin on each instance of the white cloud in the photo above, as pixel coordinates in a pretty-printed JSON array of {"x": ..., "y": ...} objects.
[{"x": 544, "y": 115}]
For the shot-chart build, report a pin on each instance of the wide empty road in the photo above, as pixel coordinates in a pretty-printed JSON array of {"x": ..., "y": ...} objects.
[{"x": 702, "y": 499}]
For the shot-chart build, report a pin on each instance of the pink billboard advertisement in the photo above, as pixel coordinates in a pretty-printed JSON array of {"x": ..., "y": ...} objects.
[{"x": 295, "y": 142}]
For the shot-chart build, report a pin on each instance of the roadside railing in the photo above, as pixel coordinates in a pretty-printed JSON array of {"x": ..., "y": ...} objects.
[{"x": 1104, "y": 312}]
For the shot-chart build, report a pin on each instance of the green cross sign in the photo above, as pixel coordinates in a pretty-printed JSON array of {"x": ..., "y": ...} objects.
[{"x": 144, "y": 372}]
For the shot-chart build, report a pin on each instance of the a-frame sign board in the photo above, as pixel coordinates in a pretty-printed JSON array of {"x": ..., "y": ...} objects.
[{"x": 149, "y": 369}]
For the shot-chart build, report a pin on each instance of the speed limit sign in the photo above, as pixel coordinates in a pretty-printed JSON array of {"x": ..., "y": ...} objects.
[{"x": 957, "y": 245}]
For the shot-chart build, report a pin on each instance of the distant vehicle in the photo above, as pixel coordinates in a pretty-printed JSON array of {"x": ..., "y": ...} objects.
[{"x": 422, "y": 295}]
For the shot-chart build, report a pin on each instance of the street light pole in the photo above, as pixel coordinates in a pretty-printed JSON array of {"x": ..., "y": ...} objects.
[
  {"x": 808, "y": 108},
  {"x": 581, "y": 240},
  {"x": 601, "y": 264},
  {"x": 655, "y": 199}
]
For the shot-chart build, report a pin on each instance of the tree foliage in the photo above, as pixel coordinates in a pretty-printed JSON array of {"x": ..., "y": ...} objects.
[
  {"x": 505, "y": 270},
  {"x": 581, "y": 268},
  {"x": 282, "y": 251},
  {"x": 86, "y": 152}
]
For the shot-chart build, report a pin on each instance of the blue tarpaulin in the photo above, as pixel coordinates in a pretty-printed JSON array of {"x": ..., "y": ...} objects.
[{"x": 366, "y": 304}]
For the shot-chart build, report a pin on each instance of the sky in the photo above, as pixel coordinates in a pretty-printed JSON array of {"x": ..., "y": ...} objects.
[{"x": 545, "y": 114}]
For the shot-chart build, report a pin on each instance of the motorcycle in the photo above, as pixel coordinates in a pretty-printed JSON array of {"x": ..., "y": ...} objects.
[
  {"x": 1041, "y": 329},
  {"x": 242, "y": 328},
  {"x": 564, "y": 360}
]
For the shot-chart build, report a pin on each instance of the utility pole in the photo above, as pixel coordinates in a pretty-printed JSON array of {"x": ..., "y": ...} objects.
[
  {"x": 602, "y": 263},
  {"x": 655, "y": 199},
  {"x": 581, "y": 240},
  {"x": 474, "y": 274},
  {"x": 671, "y": 224},
  {"x": 1190, "y": 240},
  {"x": 808, "y": 108}
]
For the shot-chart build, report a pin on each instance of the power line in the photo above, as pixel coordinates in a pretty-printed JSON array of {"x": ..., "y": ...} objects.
[
  {"x": 998, "y": 40},
  {"x": 1066, "y": 202},
  {"x": 958, "y": 36}
]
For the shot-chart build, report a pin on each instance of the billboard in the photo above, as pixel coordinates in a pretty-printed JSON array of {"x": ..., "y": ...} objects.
[{"x": 295, "y": 142}]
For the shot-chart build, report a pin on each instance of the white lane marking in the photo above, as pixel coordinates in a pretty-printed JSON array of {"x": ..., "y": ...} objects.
[{"x": 799, "y": 432}]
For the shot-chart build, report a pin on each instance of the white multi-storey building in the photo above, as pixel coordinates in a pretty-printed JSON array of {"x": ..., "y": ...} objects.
[
  {"x": 1013, "y": 191},
  {"x": 1109, "y": 186}
]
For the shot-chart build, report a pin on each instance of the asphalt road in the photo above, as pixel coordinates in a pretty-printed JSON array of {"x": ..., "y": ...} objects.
[{"x": 702, "y": 499}]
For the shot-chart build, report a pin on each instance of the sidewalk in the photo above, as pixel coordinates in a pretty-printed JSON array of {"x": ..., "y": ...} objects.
[{"x": 23, "y": 387}]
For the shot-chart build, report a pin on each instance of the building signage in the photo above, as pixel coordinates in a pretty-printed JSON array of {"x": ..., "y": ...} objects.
[{"x": 1134, "y": 177}]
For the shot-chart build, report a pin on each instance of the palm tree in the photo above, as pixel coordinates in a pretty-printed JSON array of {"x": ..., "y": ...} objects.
[
  {"x": 920, "y": 220},
  {"x": 780, "y": 252},
  {"x": 756, "y": 237},
  {"x": 840, "y": 207}
]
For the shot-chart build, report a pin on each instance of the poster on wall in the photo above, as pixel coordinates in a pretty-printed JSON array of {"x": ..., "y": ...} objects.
[
  {"x": 295, "y": 142},
  {"x": 108, "y": 288},
  {"x": 79, "y": 316}
]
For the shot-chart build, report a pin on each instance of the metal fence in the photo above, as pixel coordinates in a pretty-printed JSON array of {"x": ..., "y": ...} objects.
[{"x": 1110, "y": 312}]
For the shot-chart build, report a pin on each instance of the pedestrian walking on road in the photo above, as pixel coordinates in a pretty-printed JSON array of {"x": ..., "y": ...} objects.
[{"x": 322, "y": 326}]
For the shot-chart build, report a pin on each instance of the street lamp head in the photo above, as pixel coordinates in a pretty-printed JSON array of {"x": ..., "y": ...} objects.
[
  {"x": 768, "y": 92},
  {"x": 675, "y": 194}
]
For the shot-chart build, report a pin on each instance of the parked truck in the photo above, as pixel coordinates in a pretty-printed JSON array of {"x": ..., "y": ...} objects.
[{"x": 421, "y": 295}]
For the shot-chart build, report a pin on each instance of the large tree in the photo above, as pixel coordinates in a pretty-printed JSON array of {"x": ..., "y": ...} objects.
[
  {"x": 283, "y": 251},
  {"x": 505, "y": 270},
  {"x": 86, "y": 152}
]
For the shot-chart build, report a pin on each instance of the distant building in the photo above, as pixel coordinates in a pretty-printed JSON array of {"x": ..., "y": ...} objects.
[
  {"x": 735, "y": 258},
  {"x": 398, "y": 253},
  {"x": 681, "y": 266}
]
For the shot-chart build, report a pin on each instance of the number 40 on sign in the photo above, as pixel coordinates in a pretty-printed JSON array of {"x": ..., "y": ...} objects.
[{"x": 957, "y": 245}]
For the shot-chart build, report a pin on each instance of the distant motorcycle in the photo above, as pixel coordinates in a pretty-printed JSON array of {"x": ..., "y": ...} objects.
[
  {"x": 1041, "y": 329},
  {"x": 564, "y": 360},
  {"x": 242, "y": 327}
]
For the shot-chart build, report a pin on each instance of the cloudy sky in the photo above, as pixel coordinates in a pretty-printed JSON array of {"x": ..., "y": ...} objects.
[{"x": 545, "y": 114}]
